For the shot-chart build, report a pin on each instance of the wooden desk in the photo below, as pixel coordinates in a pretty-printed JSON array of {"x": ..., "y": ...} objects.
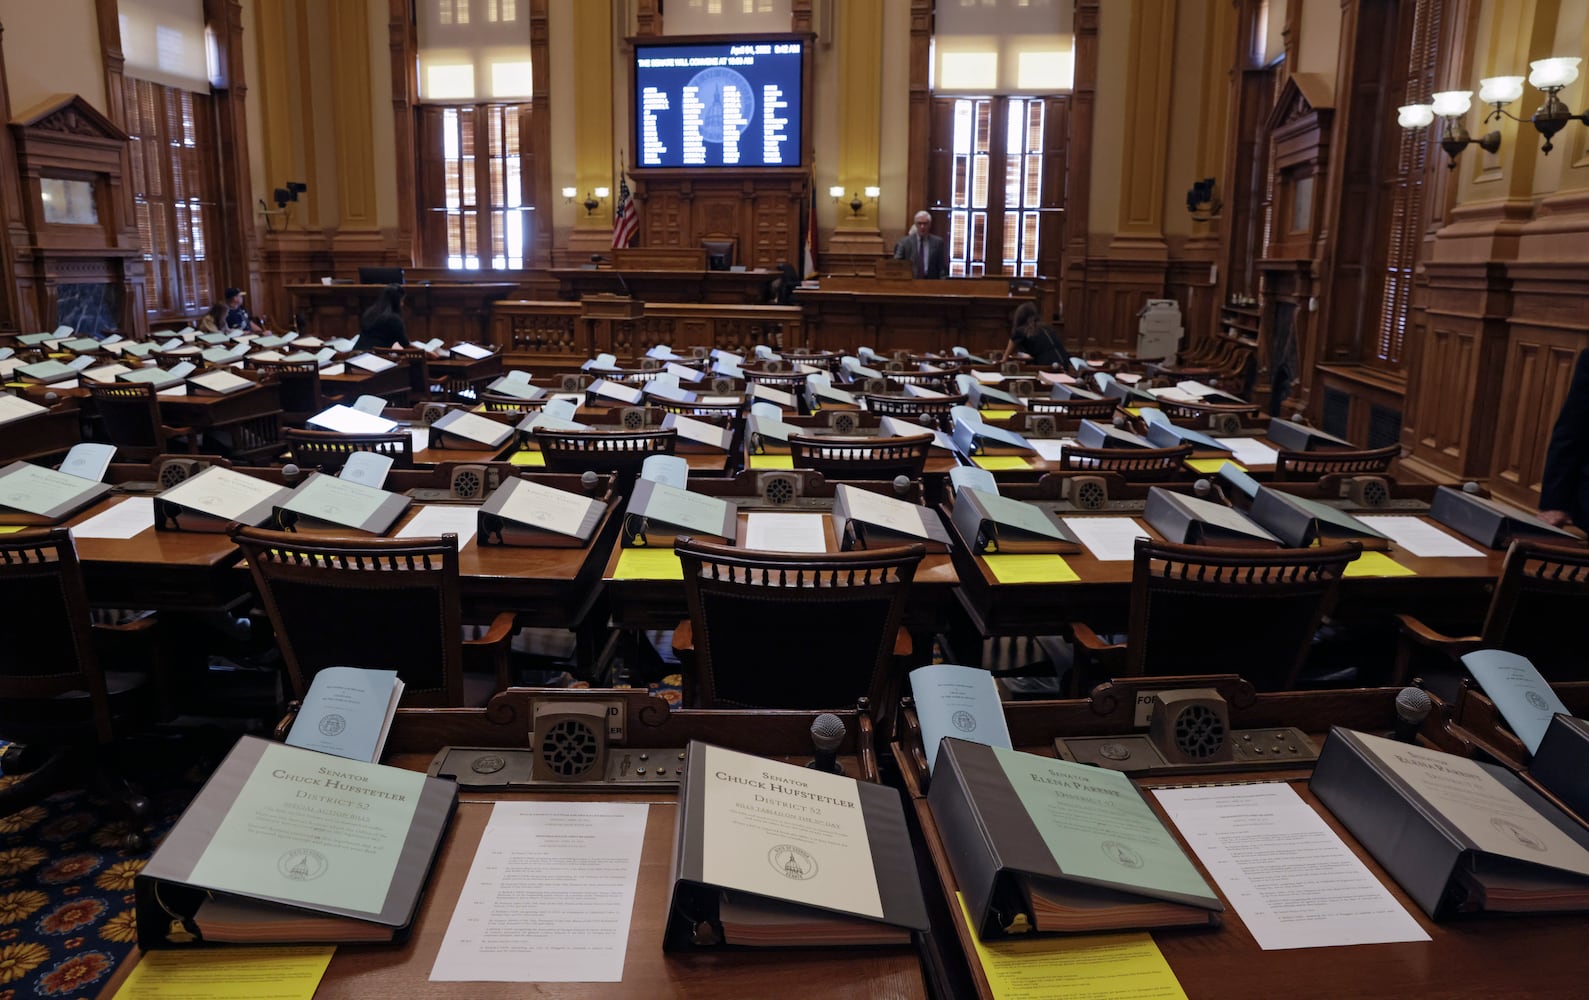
[
  {"x": 245, "y": 426},
  {"x": 402, "y": 971},
  {"x": 42, "y": 436},
  {"x": 549, "y": 335},
  {"x": 726, "y": 287},
  {"x": 918, "y": 316},
  {"x": 395, "y": 384},
  {"x": 1482, "y": 956},
  {"x": 164, "y": 570},
  {"x": 449, "y": 310}
]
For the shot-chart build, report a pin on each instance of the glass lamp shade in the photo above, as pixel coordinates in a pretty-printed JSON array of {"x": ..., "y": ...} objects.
[
  {"x": 1500, "y": 89},
  {"x": 872, "y": 191},
  {"x": 602, "y": 192},
  {"x": 836, "y": 191},
  {"x": 1552, "y": 74},
  {"x": 1414, "y": 115},
  {"x": 569, "y": 192},
  {"x": 1450, "y": 103}
]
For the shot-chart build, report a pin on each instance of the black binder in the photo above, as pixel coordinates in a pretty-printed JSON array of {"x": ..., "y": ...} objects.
[
  {"x": 1299, "y": 522},
  {"x": 1192, "y": 521},
  {"x": 1290, "y": 436},
  {"x": 1561, "y": 764},
  {"x": 1491, "y": 524}
]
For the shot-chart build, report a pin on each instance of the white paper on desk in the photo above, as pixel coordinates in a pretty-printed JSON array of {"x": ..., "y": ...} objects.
[
  {"x": 1050, "y": 449},
  {"x": 435, "y": 520},
  {"x": 1109, "y": 539},
  {"x": 549, "y": 895},
  {"x": 1250, "y": 451},
  {"x": 122, "y": 520},
  {"x": 420, "y": 436},
  {"x": 773, "y": 532},
  {"x": 1422, "y": 538},
  {"x": 1294, "y": 883}
]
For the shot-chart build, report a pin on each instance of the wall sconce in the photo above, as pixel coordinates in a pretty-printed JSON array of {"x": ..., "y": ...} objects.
[
  {"x": 1200, "y": 198},
  {"x": 593, "y": 200},
  {"x": 1449, "y": 105},
  {"x": 1550, "y": 76},
  {"x": 568, "y": 195},
  {"x": 873, "y": 192}
]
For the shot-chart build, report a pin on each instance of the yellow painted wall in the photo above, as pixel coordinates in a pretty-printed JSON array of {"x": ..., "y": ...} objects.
[
  {"x": 1108, "y": 129},
  {"x": 52, "y": 47},
  {"x": 1320, "y": 39},
  {"x": 1186, "y": 101}
]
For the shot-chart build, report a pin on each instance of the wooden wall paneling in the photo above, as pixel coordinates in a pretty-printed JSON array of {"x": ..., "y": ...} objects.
[
  {"x": 12, "y": 231},
  {"x": 1539, "y": 363},
  {"x": 536, "y": 139},
  {"x": 403, "y": 44},
  {"x": 1463, "y": 361},
  {"x": 920, "y": 127},
  {"x": 1186, "y": 281},
  {"x": 1073, "y": 271}
]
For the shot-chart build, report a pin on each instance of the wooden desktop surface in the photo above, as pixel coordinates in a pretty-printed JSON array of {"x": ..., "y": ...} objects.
[{"x": 1487, "y": 955}]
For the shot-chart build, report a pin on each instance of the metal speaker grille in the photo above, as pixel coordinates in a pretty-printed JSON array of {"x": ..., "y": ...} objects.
[
  {"x": 1199, "y": 732},
  {"x": 1090, "y": 496},
  {"x": 1041, "y": 426},
  {"x": 1225, "y": 423},
  {"x": 431, "y": 414},
  {"x": 467, "y": 484},
  {"x": 779, "y": 490},
  {"x": 572, "y": 383},
  {"x": 172, "y": 473},
  {"x": 570, "y": 748},
  {"x": 1371, "y": 492},
  {"x": 842, "y": 421},
  {"x": 634, "y": 420}
]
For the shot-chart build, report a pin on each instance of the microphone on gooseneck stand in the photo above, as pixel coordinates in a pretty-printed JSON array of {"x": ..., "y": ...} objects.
[
  {"x": 1470, "y": 487},
  {"x": 1412, "y": 707},
  {"x": 827, "y": 735},
  {"x": 588, "y": 479},
  {"x": 1203, "y": 488},
  {"x": 902, "y": 484}
]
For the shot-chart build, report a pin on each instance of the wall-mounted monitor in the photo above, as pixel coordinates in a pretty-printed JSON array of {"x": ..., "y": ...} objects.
[
  {"x": 380, "y": 276},
  {"x": 729, "y": 103}
]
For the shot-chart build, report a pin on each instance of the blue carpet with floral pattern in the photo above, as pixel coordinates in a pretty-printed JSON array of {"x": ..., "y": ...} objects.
[{"x": 66, "y": 901}]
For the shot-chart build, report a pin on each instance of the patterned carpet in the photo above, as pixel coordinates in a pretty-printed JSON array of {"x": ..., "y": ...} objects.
[{"x": 66, "y": 901}]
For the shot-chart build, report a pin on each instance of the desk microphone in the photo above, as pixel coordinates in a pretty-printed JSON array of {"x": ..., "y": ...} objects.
[
  {"x": 827, "y": 734},
  {"x": 290, "y": 471},
  {"x": 1412, "y": 707},
  {"x": 902, "y": 484},
  {"x": 50, "y": 397},
  {"x": 1470, "y": 487},
  {"x": 1202, "y": 488},
  {"x": 588, "y": 479}
]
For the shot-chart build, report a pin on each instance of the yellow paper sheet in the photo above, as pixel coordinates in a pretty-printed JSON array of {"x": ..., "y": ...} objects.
[
  {"x": 648, "y": 564},
  {"x": 227, "y": 974},
  {"x": 997, "y": 414},
  {"x": 1093, "y": 966},
  {"x": 1376, "y": 564},
  {"x": 1031, "y": 569},
  {"x": 527, "y": 458},
  {"x": 1135, "y": 411},
  {"x": 1001, "y": 463},
  {"x": 6, "y": 529},
  {"x": 1212, "y": 465},
  {"x": 772, "y": 461}
]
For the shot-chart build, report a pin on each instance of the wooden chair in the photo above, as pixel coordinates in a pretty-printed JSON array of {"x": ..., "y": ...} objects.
[
  {"x": 1537, "y": 610},
  {"x": 299, "y": 386},
  {"x": 494, "y": 402},
  {"x": 912, "y": 407},
  {"x": 1199, "y": 609},
  {"x": 328, "y": 451},
  {"x": 1136, "y": 465},
  {"x": 1075, "y": 410},
  {"x": 620, "y": 452},
  {"x": 1301, "y": 466},
  {"x": 739, "y": 646},
  {"x": 130, "y": 417},
  {"x": 385, "y": 603},
  {"x": 728, "y": 411},
  {"x": 54, "y": 691},
  {"x": 850, "y": 458}
]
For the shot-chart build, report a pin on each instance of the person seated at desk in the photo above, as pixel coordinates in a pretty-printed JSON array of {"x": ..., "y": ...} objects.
[
  {"x": 214, "y": 321},
  {"x": 237, "y": 317},
  {"x": 1036, "y": 340},
  {"x": 382, "y": 323},
  {"x": 926, "y": 250}
]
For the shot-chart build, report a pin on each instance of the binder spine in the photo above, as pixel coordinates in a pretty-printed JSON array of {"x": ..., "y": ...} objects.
[{"x": 972, "y": 855}]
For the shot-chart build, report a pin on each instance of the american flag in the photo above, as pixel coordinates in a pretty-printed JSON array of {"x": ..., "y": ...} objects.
[{"x": 628, "y": 221}]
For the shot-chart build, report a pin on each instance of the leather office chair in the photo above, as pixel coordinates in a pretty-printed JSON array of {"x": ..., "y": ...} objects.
[
  {"x": 851, "y": 458},
  {"x": 1199, "y": 609},
  {"x": 1537, "y": 610},
  {"x": 129, "y": 414},
  {"x": 1135, "y": 465},
  {"x": 1303, "y": 466},
  {"x": 745, "y": 606},
  {"x": 54, "y": 690},
  {"x": 384, "y": 603},
  {"x": 328, "y": 451},
  {"x": 912, "y": 407}
]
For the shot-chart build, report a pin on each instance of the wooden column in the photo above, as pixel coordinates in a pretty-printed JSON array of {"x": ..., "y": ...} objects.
[
  {"x": 238, "y": 253},
  {"x": 357, "y": 241},
  {"x": 12, "y": 230},
  {"x": 594, "y": 162},
  {"x": 1078, "y": 149},
  {"x": 920, "y": 102},
  {"x": 1139, "y": 232},
  {"x": 403, "y": 44},
  {"x": 535, "y": 144}
]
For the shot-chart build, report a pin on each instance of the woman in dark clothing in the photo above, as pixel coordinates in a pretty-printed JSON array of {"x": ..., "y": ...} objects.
[
  {"x": 382, "y": 324},
  {"x": 1036, "y": 340}
]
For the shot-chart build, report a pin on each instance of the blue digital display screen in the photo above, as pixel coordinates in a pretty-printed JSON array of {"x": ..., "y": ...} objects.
[{"x": 722, "y": 104}]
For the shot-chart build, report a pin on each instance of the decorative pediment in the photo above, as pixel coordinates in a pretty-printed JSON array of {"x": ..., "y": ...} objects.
[
  {"x": 1302, "y": 97},
  {"x": 69, "y": 114}
]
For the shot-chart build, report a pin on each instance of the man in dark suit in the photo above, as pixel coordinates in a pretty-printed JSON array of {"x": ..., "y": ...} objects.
[
  {"x": 1564, "y": 491},
  {"x": 927, "y": 251}
]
